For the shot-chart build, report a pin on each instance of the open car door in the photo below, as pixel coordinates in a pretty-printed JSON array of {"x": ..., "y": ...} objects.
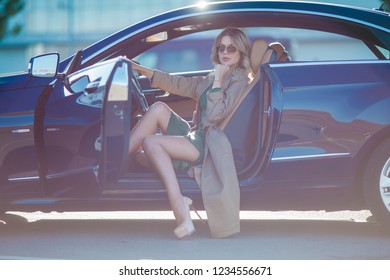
[{"x": 116, "y": 118}]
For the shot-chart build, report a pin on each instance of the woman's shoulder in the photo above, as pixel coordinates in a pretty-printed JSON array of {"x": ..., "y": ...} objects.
[{"x": 240, "y": 74}]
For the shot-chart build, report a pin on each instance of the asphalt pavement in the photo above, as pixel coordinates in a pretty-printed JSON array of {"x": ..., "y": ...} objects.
[{"x": 290, "y": 235}]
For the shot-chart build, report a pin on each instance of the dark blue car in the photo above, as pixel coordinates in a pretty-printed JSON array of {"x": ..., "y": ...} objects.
[{"x": 312, "y": 134}]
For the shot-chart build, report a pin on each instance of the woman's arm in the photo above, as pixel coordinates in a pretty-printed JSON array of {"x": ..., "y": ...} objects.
[
  {"x": 179, "y": 85},
  {"x": 184, "y": 86},
  {"x": 220, "y": 101}
]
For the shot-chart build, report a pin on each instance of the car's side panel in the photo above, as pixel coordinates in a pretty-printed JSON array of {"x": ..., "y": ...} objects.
[
  {"x": 330, "y": 110},
  {"x": 17, "y": 132}
]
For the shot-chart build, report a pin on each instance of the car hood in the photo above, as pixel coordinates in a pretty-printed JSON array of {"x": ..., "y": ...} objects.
[
  {"x": 21, "y": 80},
  {"x": 13, "y": 81}
]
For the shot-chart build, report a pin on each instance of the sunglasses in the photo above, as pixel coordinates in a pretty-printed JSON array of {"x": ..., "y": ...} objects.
[{"x": 229, "y": 49}]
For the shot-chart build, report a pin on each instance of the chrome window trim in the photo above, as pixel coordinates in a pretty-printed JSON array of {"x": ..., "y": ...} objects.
[
  {"x": 333, "y": 62},
  {"x": 23, "y": 179},
  {"x": 289, "y": 158}
]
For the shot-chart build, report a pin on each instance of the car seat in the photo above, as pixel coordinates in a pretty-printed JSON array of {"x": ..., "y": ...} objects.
[
  {"x": 280, "y": 54},
  {"x": 242, "y": 129}
]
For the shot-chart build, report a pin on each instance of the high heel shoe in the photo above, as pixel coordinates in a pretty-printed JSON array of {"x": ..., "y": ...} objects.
[{"x": 186, "y": 228}]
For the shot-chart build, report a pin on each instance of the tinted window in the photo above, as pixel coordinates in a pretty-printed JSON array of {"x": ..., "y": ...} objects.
[
  {"x": 187, "y": 53},
  {"x": 191, "y": 53}
]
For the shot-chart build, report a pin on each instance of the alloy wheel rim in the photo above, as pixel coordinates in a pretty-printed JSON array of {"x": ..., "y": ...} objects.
[{"x": 384, "y": 185}]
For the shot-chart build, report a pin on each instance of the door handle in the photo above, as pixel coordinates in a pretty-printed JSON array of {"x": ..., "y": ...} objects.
[
  {"x": 268, "y": 112},
  {"x": 117, "y": 111}
]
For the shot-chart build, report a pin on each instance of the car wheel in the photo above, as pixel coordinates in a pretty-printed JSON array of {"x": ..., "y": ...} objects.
[{"x": 377, "y": 183}]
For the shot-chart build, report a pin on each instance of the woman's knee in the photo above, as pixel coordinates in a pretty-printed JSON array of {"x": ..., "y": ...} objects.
[
  {"x": 150, "y": 144},
  {"x": 159, "y": 113},
  {"x": 159, "y": 108}
]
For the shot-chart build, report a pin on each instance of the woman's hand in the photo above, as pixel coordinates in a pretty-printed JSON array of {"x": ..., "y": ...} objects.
[
  {"x": 134, "y": 65},
  {"x": 219, "y": 74},
  {"x": 142, "y": 69}
]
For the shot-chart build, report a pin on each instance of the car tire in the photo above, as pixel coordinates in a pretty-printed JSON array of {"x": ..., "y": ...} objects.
[{"x": 376, "y": 183}]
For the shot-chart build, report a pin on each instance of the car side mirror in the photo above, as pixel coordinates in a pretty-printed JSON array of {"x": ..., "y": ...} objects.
[{"x": 44, "y": 66}]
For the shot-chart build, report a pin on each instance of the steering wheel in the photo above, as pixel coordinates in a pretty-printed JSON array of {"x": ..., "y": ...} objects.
[{"x": 139, "y": 97}]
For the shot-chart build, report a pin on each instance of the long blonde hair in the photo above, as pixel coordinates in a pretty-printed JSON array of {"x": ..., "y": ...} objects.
[{"x": 242, "y": 43}]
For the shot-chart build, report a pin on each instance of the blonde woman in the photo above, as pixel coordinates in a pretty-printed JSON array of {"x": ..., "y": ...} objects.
[{"x": 180, "y": 146}]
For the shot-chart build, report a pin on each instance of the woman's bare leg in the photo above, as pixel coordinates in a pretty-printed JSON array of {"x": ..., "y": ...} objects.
[
  {"x": 156, "y": 117},
  {"x": 160, "y": 151}
]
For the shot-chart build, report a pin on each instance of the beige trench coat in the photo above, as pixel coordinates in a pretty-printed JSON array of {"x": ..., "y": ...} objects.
[{"x": 217, "y": 176}]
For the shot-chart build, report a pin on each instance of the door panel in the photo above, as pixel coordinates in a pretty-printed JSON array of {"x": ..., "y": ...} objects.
[{"x": 116, "y": 125}]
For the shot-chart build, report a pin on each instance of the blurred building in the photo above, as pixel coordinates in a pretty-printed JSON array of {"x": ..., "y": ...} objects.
[{"x": 65, "y": 26}]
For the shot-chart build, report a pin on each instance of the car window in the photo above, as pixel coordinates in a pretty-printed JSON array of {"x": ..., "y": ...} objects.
[
  {"x": 187, "y": 53},
  {"x": 385, "y": 52},
  {"x": 313, "y": 45},
  {"x": 192, "y": 52}
]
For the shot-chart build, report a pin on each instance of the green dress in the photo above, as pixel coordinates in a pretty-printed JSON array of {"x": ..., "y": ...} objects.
[{"x": 178, "y": 126}]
